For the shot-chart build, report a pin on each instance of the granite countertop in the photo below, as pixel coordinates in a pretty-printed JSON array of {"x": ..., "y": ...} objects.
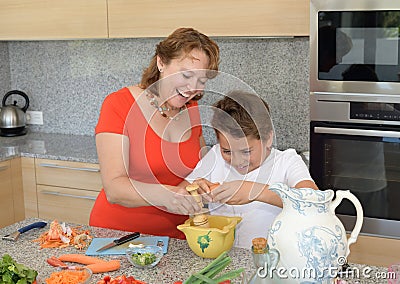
[
  {"x": 176, "y": 265},
  {"x": 77, "y": 148}
]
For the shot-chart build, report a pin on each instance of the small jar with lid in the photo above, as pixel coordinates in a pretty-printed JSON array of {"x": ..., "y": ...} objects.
[{"x": 265, "y": 260}]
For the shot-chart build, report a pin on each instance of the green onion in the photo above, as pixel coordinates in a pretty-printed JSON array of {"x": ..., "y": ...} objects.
[{"x": 208, "y": 273}]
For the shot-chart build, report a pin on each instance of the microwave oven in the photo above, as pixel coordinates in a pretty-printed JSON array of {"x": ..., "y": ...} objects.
[
  {"x": 355, "y": 107},
  {"x": 355, "y": 46}
]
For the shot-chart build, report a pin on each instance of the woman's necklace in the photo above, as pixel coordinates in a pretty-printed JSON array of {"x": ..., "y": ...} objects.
[{"x": 162, "y": 109}]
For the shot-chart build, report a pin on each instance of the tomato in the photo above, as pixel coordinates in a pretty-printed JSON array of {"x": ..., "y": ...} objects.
[
  {"x": 225, "y": 282},
  {"x": 178, "y": 282}
]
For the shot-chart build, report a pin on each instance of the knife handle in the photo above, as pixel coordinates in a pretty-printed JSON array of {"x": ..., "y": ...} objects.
[
  {"x": 127, "y": 238},
  {"x": 32, "y": 226}
]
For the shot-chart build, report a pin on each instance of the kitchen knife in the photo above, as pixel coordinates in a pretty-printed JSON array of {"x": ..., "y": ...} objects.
[
  {"x": 14, "y": 236},
  {"x": 120, "y": 241}
]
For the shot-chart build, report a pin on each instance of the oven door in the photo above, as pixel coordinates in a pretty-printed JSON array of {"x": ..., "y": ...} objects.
[{"x": 364, "y": 159}]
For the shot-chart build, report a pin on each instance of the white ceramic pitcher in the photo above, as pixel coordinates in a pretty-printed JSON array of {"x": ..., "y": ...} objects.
[{"x": 310, "y": 238}]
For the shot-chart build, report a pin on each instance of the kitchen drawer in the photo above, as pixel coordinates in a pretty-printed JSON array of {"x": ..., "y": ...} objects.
[
  {"x": 6, "y": 195},
  {"x": 65, "y": 204},
  {"x": 68, "y": 174}
]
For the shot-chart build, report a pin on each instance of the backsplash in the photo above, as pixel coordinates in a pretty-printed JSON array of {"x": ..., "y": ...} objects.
[
  {"x": 5, "y": 80},
  {"x": 68, "y": 80}
]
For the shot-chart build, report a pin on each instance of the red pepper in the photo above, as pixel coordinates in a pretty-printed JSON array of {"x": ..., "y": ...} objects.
[
  {"x": 120, "y": 280},
  {"x": 225, "y": 282}
]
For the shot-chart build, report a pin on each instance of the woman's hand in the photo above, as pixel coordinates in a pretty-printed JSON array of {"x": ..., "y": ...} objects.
[{"x": 172, "y": 199}]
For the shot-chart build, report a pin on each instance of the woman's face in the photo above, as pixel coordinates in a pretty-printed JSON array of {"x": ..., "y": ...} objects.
[
  {"x": 183, "y": 78},
  {"x": 244, "y": 154}
]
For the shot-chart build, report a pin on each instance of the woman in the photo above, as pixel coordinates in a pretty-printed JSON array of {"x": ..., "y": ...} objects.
[{"x": 149, "y": 137}]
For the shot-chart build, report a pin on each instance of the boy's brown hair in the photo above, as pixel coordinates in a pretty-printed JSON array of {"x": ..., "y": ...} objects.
[{"x": 242, "y": 114}]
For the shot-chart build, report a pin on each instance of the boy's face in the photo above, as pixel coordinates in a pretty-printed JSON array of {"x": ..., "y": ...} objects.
[{"x": 244, "y": 154}]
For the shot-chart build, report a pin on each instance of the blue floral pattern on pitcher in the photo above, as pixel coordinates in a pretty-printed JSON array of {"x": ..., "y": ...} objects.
[
  {"x": 320, "y": 246},
  {"x": 308, "y": 234},
  {"x": 300, "y": 199}
]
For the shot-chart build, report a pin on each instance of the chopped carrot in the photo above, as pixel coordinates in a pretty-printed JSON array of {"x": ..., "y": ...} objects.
[
  {"x": 105, "y": 266},
  {"x": 54, "y": 237},
  {"x": 68, "y": 277}
]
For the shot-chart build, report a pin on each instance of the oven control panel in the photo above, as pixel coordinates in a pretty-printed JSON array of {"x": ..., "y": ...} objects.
[{"x": 375, "y": 111}]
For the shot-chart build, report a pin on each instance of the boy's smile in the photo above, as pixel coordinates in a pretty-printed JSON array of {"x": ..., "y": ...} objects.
[{"x": 244, "y": 154}]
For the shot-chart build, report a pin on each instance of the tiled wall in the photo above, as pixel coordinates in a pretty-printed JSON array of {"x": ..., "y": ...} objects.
[{"x": 68, "y": 80}]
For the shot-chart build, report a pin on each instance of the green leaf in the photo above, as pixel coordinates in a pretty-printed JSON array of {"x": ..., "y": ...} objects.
[{"x": 12, "y": 272}]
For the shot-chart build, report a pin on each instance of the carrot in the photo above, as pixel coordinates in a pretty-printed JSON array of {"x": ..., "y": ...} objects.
[
  {"x": 67, "y": 276},
  {"x": 105, "y": 266},
  {"x": 214, "y": 186},
  {"x": 54, "y": 261},
  {"x": 80, "y": 258}
]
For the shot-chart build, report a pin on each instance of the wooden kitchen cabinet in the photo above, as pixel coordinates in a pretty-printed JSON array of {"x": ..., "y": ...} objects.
[
  {"x": 6, "y": 195},
  {"x": 53, "y": 19},
  {"x": 66, "y": 191},
  {"x": 11, "y": 194},
  {"x": 155, "y": 18},
  {"x": 83, "y": 19},
  {"x": 18, "y": 192},
  {"x": 375, "y": 251},
  {"x": 29, "y": 187}
]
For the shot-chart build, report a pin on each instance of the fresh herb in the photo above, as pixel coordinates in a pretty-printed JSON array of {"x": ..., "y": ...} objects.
[
  {"x": 209, "y": 273},
  {"x": 144, "y": 258},
  {"x": 12, "y": 272}
]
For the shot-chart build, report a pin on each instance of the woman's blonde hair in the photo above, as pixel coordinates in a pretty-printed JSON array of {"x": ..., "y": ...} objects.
[{"x": 181, "y": 42}]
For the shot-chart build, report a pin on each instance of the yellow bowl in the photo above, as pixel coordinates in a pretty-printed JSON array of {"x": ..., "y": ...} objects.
[{"x": 210, "y": 242}]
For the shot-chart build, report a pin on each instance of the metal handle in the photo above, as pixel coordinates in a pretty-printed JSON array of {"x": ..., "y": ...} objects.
[
  {"x": 68, "y": 195},
  {"x": 68, "y": 168},
  {"x": 359, "y": 132},
  {"x": 3, "y": 168}
]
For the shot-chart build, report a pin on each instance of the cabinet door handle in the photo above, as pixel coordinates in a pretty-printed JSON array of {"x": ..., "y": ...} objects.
[
  {"x": 3, "y": 168},
  {"x": 68, "y": 195},
  {"x": 68, "y": 168}
]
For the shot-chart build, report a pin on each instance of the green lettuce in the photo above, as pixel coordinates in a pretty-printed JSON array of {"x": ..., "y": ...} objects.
[{"x": 12, "y": 272}]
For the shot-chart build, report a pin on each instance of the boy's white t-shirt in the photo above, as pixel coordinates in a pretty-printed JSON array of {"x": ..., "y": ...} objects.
[{"x": 280, "y": 166}]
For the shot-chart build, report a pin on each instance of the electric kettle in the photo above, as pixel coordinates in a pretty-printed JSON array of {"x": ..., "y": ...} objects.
[{"x": 12, "y": 117}]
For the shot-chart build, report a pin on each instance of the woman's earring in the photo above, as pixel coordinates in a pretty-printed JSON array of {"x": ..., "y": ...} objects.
[{"x": 160, "y": 70}]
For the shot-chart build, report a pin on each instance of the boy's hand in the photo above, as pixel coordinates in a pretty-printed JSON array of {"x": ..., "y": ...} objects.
[{"x": 236, "y": 192}]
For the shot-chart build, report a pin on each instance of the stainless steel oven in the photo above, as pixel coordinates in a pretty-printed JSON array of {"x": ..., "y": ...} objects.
[
  {"x": 355, "y": 145},
  {"x": 355, "y": 107}
]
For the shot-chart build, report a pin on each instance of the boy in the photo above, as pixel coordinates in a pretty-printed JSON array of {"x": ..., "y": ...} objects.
[{"x": 245, "y": 163}]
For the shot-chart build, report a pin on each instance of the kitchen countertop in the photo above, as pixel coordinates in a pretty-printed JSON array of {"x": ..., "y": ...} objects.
[
  {"x": 177, "y": 264},
  {"x": 76, "y": 148}
]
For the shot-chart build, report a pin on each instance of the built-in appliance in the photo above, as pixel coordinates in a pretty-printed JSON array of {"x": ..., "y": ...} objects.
[{"x": 355, "y": 107}]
